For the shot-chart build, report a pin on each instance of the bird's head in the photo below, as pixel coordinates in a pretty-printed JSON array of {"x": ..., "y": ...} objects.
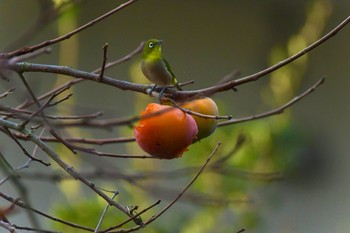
[{"x": 152, "y": 49}]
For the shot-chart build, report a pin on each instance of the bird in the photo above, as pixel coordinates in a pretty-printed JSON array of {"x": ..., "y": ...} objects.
[{"x": 155, "y": 67}]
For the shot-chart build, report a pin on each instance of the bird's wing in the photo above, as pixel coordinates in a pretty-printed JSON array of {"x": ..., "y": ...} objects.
[
  {"x": 168, "y": 67},
  {"x": 174, "y": 81}
]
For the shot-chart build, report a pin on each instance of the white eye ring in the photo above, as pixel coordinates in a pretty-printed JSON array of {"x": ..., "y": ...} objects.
[{"x": 150, "y": 45}]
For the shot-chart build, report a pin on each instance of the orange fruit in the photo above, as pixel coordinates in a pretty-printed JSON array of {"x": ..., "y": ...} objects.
[{"x": 167, "y": 134}]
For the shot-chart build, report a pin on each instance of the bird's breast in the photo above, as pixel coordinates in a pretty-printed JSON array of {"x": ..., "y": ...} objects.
[{"x": 156, "y": 72}]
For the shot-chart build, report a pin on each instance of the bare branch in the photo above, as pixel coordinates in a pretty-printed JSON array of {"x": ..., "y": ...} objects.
[
  {"x": 21, "y": 188},
  {"x": 277, "y": 110},
  {"x": 104, "y": 60},
  {"x": 21, "y": 113},
  {"x": 25, "y": 50},
  {"x": 25, "y": 206},
  {"x": 123, "y": 59},
  {"x": 6, "y": 93},
  {"x": 131, "y": 219},
  {"x": 205, "y": 116},
  {"x": 8, "y": 226},
  {"x": 47, "y": 123},
  {"x": 34, "y": 54},
  {"x": 232, "y": 84},
  {"x": 105, "y": 210},
  {"x": 48, "y": 13},
  {"x": 196, "y": 198},
  {"x": 25, "y": 152},
  {"x": 38, "y": 111},
  {"x": 94, "y": 141},
  {"x": 37, "y": 230},
  {"x": 30, "y": 118},
  {"x": 177, "y": 95},
  {"x": 54, "y": 156},
  {"x": 178, "y": 196},
  {"x": 78, "y": 80}
]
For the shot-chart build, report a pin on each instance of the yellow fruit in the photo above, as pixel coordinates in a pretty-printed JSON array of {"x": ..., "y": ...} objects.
[{"x": 205, "y": 106}]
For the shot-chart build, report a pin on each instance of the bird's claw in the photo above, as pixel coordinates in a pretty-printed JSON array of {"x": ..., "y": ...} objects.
[
  {"x": 152, "y": 89},
  {"x": 161, "y": 93}
]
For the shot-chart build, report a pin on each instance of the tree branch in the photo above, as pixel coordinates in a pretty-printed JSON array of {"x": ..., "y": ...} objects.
[
  {"x": 25, "y": 50},
  {"x": 178, "y": 196},
  {"x": 278, "y": 110},
  {"x": 54, "y": 156}
]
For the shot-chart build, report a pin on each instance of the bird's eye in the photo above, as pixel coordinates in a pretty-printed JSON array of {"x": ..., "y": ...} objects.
[{"x": 150, "y": 45}]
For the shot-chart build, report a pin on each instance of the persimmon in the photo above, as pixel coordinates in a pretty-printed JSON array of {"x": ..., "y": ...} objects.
[
  {"x": 205, "y": 106},
  {"x": 167, "y": 133}
]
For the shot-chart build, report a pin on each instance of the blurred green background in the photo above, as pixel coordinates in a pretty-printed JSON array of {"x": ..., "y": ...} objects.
[{"x": 204, "y": 41}]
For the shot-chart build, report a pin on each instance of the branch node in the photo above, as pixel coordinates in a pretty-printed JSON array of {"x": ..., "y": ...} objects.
[{"x": 104, "y": 60}]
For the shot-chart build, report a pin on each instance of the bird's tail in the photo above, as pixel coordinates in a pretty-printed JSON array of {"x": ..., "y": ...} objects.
[{"x": 176, "y": 83}]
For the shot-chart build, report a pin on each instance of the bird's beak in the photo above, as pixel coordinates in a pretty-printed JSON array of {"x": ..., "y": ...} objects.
[{"x": 159, "y": 42}]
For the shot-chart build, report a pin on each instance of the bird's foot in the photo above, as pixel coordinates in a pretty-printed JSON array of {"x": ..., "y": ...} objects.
[
  {"x": 152, "y": 89},
  {"x": 161, "y": 93}
]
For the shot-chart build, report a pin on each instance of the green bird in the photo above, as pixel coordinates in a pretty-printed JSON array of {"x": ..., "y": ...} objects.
[{"x": 155, "y": 67}]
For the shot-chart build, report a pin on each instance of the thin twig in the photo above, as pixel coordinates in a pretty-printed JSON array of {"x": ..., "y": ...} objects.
[
  {"x": 21, "y": 188},
  {"x": 111, "y": 155},
  {"x": 48, "y": 13},
  {"x": 24, "y": 150},
  {"x": 6, "y": 166},
  {"x": 38, "y": 111},
  {"x": 104, "y": 60},
  {"x": 25, "y": 206},
  {"x": 104, "y": 212},
  {"x": 130, "y": 120},
  {"x": 232, "y": 84},
  {"x": 91, "y": 141},
  {"x": 54, "y": 156},
  {"x": 178, "y": 196},
  {"x": 177, "y": 95},
  {"x": 35, "y": 150},
  {"x": 61, "y": 100},
  {"x": 30, "y": 49},
  {"x": 47, "y": 123},
  {"x": 14, "y": 112},
  {"x": 238, "y": 144},
  {"x": 201, "y": 115},
  {"x": 86, "y": 116},
  {"x": 131, "y": 219},
  {"x": 276, "y": 111},
  {"x": 123, "y": 59},
  {"x": 78, "y": 80},
  {"x": 234, "y": 74},
  {"x": 6, "y": 93},
  {"x": 120, "y": 121},
  {"x": 169, "y": 174},
  {"x": 37, "y": 230},
  {"x": 7, "y": 226},
  {"x": 32, "y": 55},
  {"x": 195, "y": 198}
]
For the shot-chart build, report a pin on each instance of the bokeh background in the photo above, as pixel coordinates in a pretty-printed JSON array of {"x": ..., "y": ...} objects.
[{"x": 204, "y": 41}]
